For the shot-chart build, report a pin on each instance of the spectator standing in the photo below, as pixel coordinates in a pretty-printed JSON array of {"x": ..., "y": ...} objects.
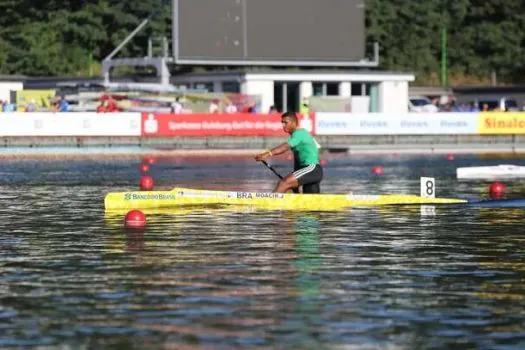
[
  {"x": 214, "y": 106},
  {"x": 176, "y": 106},
  {"x": 8, "y": 107},
  {"x": 31, "y": 106},
  {"x": 101, "y": 108},
  {"x": 305, "y": 107},
  {"x": 474, "y": 107},
  {"x": 231, "y": 108},
  {"x": 62, "y": 105},
  {"x": 252, "y": 109},
  {"x": 111, "y": 104}
]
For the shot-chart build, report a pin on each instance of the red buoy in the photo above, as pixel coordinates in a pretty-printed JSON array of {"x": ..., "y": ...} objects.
[
  {"x": 323, "y": 162},
  {"x": 450, "y": 157},
  {"x": 496, "y": 189},
  {"x": 146, "y": 183},
  {"x": 135, "y": 219},
  {"x": 150, "y": 160},
  {"x": 378, "y": 170},
  {"x": 144, "y": 168}
]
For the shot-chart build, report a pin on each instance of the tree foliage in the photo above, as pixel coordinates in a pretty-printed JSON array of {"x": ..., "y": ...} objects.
[
  {"x": 56, "y": 37},
  {"x": 483, "y": 35}
]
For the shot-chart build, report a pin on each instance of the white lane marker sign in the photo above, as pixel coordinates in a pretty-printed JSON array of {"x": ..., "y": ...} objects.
[{"x": 428, "y": 187}]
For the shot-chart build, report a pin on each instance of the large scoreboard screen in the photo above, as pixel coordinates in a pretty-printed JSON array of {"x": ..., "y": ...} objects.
[{"x": 268, "y": 32}]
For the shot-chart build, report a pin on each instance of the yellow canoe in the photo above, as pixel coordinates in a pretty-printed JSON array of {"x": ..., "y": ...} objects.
[{"x": 314, "y": 202}]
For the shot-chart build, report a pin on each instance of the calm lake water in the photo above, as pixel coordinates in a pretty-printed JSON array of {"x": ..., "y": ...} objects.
[{"x": 390, "y": 278}]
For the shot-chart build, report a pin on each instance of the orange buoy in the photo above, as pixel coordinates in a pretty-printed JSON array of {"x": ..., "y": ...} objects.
[
  {"x": 146, "y": 183},
  {"x": 144, "y": 168},
  {"x": 378, "y": 170},
  {"x": 135, "y": 219}
]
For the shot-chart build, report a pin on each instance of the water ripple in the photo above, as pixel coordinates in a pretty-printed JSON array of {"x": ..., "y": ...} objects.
[{"x": 368, "y": 278}]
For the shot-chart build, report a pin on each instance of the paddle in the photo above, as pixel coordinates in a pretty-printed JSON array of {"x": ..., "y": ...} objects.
[
  {"x": 295, "y": 190},
  {"x": 272, "y": 169}
]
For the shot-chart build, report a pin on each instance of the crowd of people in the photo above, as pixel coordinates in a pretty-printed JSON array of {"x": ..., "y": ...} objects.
[
  {"x": 214, "y": 106},
  {"x": 450, "y": 104},
  {"x": 59, "y": 104},
  {"x": 108, "y": 103}
]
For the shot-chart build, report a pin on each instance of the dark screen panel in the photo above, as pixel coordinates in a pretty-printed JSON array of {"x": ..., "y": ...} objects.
[
  {"x": 306, "y": 29},
  {"x": 269, "y": 30},
  {"x": 210, "y": 29}
]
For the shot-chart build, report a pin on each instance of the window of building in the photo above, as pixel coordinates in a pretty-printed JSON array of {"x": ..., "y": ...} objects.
[
  {"x": 318, "y": 89},
  {"x": 357, "y": 89},
  {"x": 332, "y": 89},
  {"x": 325, "y": 89},
  {"x": 231, "y": 87},
  {"x": 286, "y": 96},
  {"x": 204, "y": 86},
  {"x": 361, "y": 89},
  {"x": 182, "y": 86}
]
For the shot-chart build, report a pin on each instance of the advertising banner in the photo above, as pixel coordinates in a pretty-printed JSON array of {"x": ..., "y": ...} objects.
[
  {"x": 70, "y": 124},
  {"x": 40, "y": 99},
  {"x": 235, "y": 124},
  {"x": 501, "y": 123},
  {"x": 396, "y": 124}
]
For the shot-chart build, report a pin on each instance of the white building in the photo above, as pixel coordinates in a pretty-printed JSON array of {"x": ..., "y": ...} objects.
[
  {"x": 8, "y": 85},
  {"x": 363, "y": 91},
  {"x": 369, "y": 91}
]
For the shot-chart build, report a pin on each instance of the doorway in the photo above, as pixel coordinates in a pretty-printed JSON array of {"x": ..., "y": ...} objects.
[{"x": 286, "y": 96}]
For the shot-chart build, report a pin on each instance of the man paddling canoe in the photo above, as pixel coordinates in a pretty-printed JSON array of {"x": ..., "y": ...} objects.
[{"x": 307, "y": 173}]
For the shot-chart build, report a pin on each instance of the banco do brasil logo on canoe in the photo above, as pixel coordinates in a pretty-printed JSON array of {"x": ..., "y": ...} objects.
[{"x": 148, "y": 196}]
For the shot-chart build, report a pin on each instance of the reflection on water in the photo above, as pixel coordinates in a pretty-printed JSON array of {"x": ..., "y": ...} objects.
[{"x": 221, "y": 277}]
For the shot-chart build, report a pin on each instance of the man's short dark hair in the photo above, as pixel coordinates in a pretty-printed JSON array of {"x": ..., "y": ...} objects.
[{"x": 290, "y": 115}]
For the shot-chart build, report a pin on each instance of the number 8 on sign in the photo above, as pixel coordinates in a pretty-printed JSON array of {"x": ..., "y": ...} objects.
[{"x": 428, "y": 187}]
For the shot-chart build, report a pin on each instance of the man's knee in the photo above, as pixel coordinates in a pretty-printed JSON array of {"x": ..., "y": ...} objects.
[
  {"x": 286, "y": 184},
  {"x": 290, "y": 181}
]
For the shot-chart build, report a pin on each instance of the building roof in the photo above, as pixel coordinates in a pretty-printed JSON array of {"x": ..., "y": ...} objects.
[
  {"x": 237, "y": 74},
  {"x": 489, "y": 89},
  {"x": 242, "y": 72},
  {"x": 295, "y": 76},
  {"x": 429, "y": 91},
  {"x": 12, "y": 78}
]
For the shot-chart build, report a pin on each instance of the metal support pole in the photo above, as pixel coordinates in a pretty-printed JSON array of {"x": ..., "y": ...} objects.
[
  {"x": 128, "y": 38},
  {"x": 444, "y": 65},
  {"x": 165, "y": 47},
  {"x": 376, "y": 53}
]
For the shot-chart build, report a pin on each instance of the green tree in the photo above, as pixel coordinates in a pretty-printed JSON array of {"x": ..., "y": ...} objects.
[
  {"x": 56, "y": 37},
  {"x": 483, "y": 35}
]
